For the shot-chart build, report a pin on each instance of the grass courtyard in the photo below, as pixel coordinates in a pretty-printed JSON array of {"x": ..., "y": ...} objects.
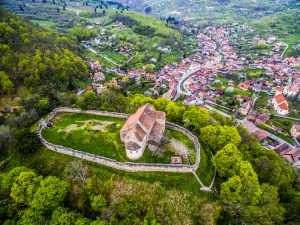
[{"x": 100, "y": 135}]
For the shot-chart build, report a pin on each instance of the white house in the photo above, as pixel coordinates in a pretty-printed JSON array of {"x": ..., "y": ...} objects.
[
  {"x": 280, "y": 104},
  {"x": 291, "y": 90}
]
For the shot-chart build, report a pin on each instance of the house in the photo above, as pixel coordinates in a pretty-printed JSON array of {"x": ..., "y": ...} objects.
[
  {"x": 111, "y": 84},
  {"x": 291, "y": 90},
  {"x": 260, "y": 135},
  {"x": 192, "y": 100},
  {"x": 245, "y": 107},
  {"x": 243, "y": 86},
  {"x": 99, "y": 76},
  {"x": 295, "y": 131},
  {"x": 292, "y": 155},
  {"x": 151, "y": 76},
  {"x": 145, "y": 127},
  {"x": 280, "y": 104},
  {"x": 170, "y": 94},
  {"x": 262, "y": 118}
]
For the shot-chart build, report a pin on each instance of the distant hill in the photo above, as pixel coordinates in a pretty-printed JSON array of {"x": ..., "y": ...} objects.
[{"x": 33, "y": 57}]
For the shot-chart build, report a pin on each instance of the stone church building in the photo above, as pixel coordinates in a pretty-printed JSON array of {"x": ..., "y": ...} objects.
[{"x": 145, "y": 127}]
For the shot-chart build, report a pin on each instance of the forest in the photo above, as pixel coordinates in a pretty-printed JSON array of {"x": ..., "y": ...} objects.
[{"x": 32, "y": 56}]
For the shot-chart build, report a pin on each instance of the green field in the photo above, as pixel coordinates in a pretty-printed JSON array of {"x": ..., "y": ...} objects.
[{"x": 100, "y": 135}]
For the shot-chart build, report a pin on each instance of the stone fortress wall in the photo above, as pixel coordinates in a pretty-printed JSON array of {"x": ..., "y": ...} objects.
[{"x": 125, "y": 166}]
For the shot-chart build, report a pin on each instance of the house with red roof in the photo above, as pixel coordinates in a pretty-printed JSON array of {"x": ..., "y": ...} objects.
[
  {"x": 145, "y": 127},
  {"x": 244, "y": 86},
  {"x": 280, "y": 104}
]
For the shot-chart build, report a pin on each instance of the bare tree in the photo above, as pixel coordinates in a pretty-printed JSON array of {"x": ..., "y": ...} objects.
[{"x": 77, "y": 170}]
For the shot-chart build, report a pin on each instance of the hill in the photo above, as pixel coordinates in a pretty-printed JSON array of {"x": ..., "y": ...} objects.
[{"x": 33, "y": 56}]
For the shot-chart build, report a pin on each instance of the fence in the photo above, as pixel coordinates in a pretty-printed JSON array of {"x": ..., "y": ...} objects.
[{"x": 125, "y": 166}]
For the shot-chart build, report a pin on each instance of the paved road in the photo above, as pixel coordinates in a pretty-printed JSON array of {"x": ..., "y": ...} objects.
[
  {"x": 180, "y": 84},
  {"x": 250, "y": 126}
]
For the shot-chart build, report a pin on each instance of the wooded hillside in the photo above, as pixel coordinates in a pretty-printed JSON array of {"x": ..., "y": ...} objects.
[{"x": 32, "y": 56}]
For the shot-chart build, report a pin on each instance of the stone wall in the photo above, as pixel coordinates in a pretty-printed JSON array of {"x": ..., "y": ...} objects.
[{"x": 125, "y": 166}]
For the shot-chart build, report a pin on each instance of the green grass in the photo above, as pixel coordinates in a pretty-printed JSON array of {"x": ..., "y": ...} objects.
[
  {"x": 291, "y": 40},
  {"x": 46, "y": 24},
  {"x": 102, "y": 61},
  {"x": 115, "y": 56},
  {"x": 106, "y": 142},
  {"x": 206, "y": 168},
  {"x": 160, "y": 27}
]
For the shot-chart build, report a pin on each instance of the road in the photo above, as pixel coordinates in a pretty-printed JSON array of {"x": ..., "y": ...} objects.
[
  {"x": 180, "y": 84},
  {"x": 249, "y": 125},
  {"x": 286, "y": 48}
]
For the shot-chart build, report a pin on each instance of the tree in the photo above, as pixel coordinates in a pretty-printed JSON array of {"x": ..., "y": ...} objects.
[
  {"x": 98, "y": 203},
  {"x": 139, "y": 100},
  {"x": 195, "y": 118},
  {"x": 24, "y": 187},
  {"x": 5, "y": 139},
  {"x": 272, "y": 169},
  {"x": 160, "y": 57},
  {"x": 26, "y": 142},
  {"x": 216, "y": 137},
  {"x": 175, "y": 112},
  {"x": 63, "y": 216},
  {"x": 150, "y": 68},
  {"x": 148, "y": 9},
  {"x": 251, "y": 190},
  {"x": 11, "y": 176},
  {"x": 228, "y": 161},
  {"x": 32, "y": 217},
  {"x": 89, "y": 100},
  {"x": 51, "y": 193},
  {"x": 43, "y": 106},
  {"x": 268, "y": 211},
  {"x": 78, "y": 171},
  {"x": 6, "y": 86},
  {"x": 161, "y": 104}
]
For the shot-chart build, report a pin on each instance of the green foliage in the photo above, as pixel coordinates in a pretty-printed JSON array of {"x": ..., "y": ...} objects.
[
  {"x": 147, "y": 25},
  {"x": 62, "y": 216},
  {"x": 33, "y": 56},
  {"x": 11, "y": 176},
  {"x": 82, "y": 33},
  {"x": 228, "y": 161},
  {"x": 26, "y": 141},
  {"x": 195, "y": 119},
  {"x": 216, "y": 137},
  {"x": 31, "y": 216},
  {"x": 98, "y": 203},
  {"x": 24, "y": 187},
  {"x": 6, "y": 86},
  {"x": 50, "y": 194}
]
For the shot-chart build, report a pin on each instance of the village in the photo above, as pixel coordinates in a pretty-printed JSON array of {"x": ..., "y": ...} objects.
[{"x": 217, "y": 78}]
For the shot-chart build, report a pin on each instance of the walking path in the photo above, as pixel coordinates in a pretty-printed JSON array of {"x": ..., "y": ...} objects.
[
  {"x": 286, "y": 48},
  {"x": 103, "y": 56}
]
